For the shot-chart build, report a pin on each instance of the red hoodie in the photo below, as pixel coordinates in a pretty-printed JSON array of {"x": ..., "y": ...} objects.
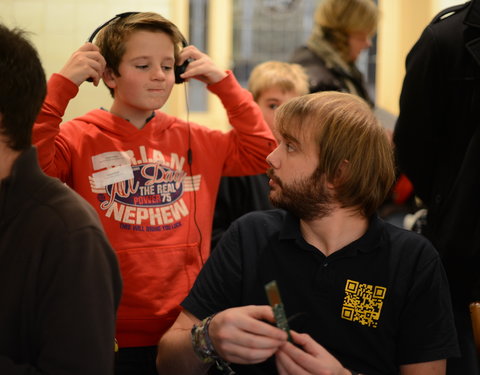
[{"x": 156, "y": 209}]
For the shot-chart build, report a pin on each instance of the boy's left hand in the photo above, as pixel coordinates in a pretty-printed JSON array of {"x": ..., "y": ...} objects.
[{"x": 201, "y": 67}]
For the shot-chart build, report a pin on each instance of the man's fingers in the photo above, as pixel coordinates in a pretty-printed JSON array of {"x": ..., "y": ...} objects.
[
  {"x": 243, "y": 355},
  {"x": 280, "y": 367},
  {"x": 240, "y": 346},
  {"x": 302, "y": 359},
  {"x": 255, "y": 322},
  {"x": 248, "y": 328},
  {"x": 309, "y": 359},
  {"x": 261, "y": 312},
  {"x": 307, "y": 343},
  {"x": 242, "y": 334},
  {"x": 287, "y": 364},
  {"x": 257, "y": 341}
]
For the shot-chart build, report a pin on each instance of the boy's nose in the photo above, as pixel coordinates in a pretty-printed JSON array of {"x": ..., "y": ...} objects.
[{"x": 158, "y": 73}]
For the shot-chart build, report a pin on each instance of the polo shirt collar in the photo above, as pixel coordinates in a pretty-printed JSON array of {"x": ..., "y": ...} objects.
[{"x": 370, "y": 241}]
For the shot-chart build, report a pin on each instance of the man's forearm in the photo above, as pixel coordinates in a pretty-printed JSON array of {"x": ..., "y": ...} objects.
[
  {"x": 425, "y": 368},
  {"x": 176, "y": 355}
]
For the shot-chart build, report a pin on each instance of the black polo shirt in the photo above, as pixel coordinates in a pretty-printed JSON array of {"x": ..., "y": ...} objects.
[{"x": 379, "y": 302}]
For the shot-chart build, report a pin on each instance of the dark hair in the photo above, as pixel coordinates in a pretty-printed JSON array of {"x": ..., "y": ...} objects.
[{"x": 22, "y": 89}]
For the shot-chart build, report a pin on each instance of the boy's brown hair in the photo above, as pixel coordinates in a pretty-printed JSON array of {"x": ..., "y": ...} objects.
[
  {"x": 286, "y": 76},
  {"x": 349, "y": 139}
]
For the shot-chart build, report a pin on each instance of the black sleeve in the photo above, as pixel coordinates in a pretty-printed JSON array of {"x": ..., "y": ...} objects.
[
  {"x": 219, "y": 284},
  {"x": 222, "y": 216},
  {"x": 427, "y": 331},
  {"x": 78, "y": 289},
  {"x": 415, "y": 130},
  {"x": 238, "y": 196}
]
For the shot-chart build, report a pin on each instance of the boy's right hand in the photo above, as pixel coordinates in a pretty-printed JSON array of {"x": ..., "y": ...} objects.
[
  {"x": 86, "y": 62},
  {"x": 240, "y": 336}
]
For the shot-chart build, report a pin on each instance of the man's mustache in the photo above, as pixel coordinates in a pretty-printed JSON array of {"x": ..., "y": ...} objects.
[{"x": 272, "y": 176}]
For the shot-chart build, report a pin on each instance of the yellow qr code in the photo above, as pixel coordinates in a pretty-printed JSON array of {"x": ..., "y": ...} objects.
[{"x": 363, "y": 303}]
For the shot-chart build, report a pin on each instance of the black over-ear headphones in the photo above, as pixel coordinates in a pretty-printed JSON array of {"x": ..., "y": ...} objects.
[{"x": 178, "y": 69}]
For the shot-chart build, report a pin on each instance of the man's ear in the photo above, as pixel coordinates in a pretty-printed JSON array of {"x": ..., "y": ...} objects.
[
  {"x": 109, "y": 78},
  {"x": 340, "y": 174}
]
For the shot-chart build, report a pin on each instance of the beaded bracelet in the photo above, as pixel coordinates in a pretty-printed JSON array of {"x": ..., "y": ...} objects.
[{"x": 203, "y": 346}]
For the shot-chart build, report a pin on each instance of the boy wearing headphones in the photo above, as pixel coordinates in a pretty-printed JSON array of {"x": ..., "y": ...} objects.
[{"x": 151, "y": 177}]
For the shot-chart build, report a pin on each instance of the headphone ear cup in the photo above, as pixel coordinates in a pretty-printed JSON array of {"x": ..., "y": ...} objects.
[{"x": 180, "y": 69}]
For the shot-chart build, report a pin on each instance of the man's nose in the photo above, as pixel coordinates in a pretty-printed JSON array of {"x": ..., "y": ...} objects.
[{"x": 272, "y": 159}]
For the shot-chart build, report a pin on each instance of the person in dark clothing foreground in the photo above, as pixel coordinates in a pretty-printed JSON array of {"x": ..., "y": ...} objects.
[
  {"x": 59, "y": 279},
  {"x": 437, "y": 141}
]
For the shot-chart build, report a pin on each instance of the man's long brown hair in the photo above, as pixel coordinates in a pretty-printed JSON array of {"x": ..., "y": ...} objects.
[{"x": 354, "y": 152}]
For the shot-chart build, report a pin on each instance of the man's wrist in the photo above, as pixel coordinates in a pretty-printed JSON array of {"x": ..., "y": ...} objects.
[{"x": 203, "y": 346}]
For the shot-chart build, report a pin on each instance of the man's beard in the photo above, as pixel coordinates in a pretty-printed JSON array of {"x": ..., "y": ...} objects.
[{"x": 307, "y": 199}]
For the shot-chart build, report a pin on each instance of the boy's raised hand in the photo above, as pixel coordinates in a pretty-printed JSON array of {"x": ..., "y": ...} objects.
[
  {"x": 86, "y": 62},
  {"x": 201, "y": 67}
]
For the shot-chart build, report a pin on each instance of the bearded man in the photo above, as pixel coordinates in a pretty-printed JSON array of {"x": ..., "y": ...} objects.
[{"x": 367, "y": 296}]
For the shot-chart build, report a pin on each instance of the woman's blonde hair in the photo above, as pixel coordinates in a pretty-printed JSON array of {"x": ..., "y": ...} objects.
[
  {"x": 286, "y": 76},
  {"x": 354, "y": 151},
  {"x": 339, "y": 18}
]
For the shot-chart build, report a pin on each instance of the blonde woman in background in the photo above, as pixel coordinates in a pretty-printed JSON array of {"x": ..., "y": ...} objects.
[{"x": 343, "y": 28}]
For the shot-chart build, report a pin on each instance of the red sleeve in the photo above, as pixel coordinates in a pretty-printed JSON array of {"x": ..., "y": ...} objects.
[
  {"x": 251, "y": 138},
  {"x": 53, "y": 150}
]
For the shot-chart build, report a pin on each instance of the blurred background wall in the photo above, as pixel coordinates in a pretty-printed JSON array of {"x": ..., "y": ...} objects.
[{"x": 222, "y": 29}]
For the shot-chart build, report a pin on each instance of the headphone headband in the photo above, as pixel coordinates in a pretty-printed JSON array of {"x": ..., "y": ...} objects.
[{"x": 118, "y": 16}]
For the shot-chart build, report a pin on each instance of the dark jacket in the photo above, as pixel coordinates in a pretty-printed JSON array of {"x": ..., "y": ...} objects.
[
  {"x": 437, "y": 139},
  {"x": 236, "y": 197},
  {"x": 59, "y": 279},
  {"x": 322, "y": 78}
]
